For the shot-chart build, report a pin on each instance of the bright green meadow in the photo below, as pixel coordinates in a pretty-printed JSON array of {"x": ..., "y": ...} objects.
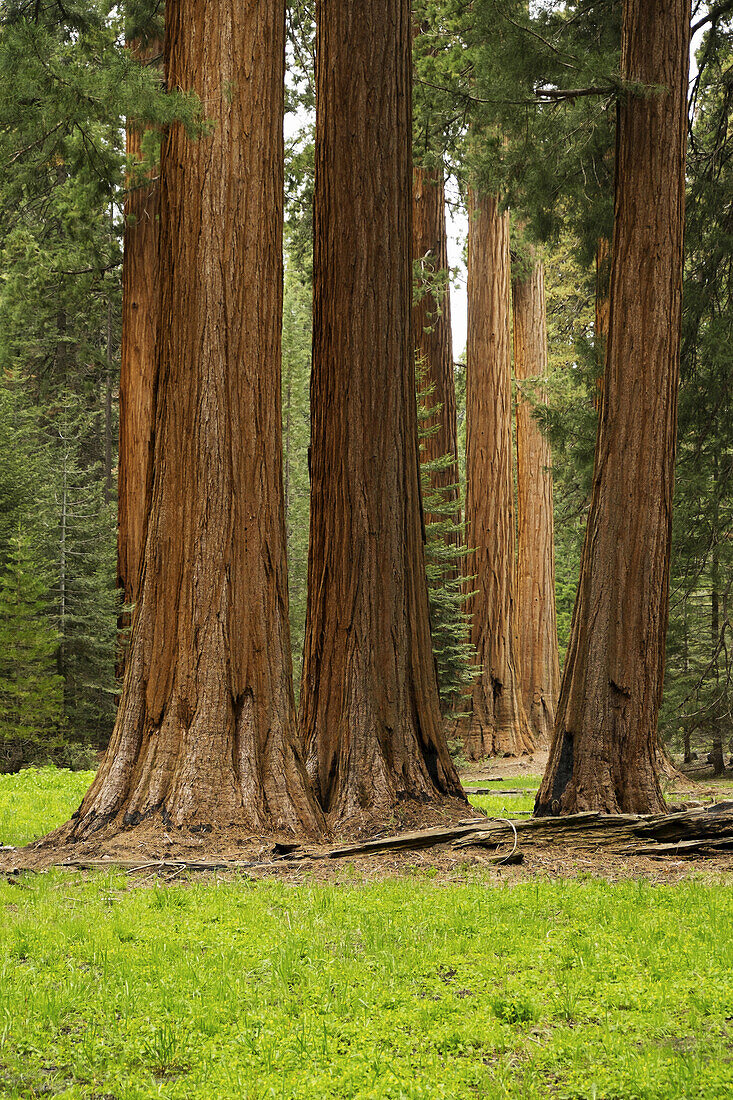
[{"x": 114, "y": 988}]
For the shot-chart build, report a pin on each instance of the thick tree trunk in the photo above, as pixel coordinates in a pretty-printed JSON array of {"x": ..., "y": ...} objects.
[
  {"x": 140, "y": 306},
  {"x": 206, "y": 731},
  {"x": 605, "y": 741},
  {"x": 369, "y": 699},
  {"x": 432, "y": 332},
  {"x": 498, "y": 724},
  {"x": 537, "y": 625}
]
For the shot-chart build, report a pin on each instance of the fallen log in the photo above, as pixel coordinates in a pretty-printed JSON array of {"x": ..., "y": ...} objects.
[
  {"x": 589, "y": 829},
  {"x": 622, "y": 833}
]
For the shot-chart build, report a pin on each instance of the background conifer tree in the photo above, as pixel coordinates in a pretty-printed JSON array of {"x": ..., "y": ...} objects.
[{"x": 30, "y": 687}]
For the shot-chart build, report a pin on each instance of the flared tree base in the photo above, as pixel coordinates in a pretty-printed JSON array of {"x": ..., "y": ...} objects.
[{"x": 580, "y": 779}]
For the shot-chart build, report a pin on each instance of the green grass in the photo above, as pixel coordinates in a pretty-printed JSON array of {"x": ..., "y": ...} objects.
[
  {"x": 36, "y": 800},
  {"x": 496, "y": 806},
  {"x": 400, "y": 989}
]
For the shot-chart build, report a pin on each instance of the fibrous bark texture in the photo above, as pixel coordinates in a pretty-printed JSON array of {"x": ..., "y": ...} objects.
[
  {"x": 605, "y": 739},
  {"x": 140, "y": 305},
  {"x": 536, "y": 621},
  {"x": 498, "y": 724},
  {"x": 206, "y": 731},
  {"x": 369, "y": 699},
  {"x": 432, "y": 333}
]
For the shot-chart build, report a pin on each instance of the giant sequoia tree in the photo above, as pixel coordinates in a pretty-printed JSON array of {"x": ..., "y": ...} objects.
[
  {"x": 137, "y": 364},
  {"x": 604, "y": 747},
  {"x": 536, "y": 621},
  {"x": 369, "y": 697},
  {"x": 498, "y": 723},
  {"x": 205, "y": 732},
  {"x": 432, "y": 330}
]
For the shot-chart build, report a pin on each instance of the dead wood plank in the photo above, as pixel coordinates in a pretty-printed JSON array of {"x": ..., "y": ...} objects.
[
  {"x": 689, "y": 825},
  {"x": 682, "y": 847},
  {"x": 425, "y": 838}
]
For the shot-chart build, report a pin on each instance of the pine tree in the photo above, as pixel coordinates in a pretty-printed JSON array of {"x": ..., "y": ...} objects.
[
  {"x": 445, "y": 553},
  {"x": 30, "y": 687},
  {"x": 697, "y": 710},
  {"x": 80, "y": 541}
]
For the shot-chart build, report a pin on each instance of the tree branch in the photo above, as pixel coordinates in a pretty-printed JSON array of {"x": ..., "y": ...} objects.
[
  {"x": 544, "y": 41},
  {"x": 713, "y": 15},
  {"x": 575, "y": 93},
  {"x": 717, "y": 12},
  {"x": 90, "y": 270}
]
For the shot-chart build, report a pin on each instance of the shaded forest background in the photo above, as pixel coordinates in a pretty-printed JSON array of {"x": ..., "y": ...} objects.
[{"x": 67, "y": 87}]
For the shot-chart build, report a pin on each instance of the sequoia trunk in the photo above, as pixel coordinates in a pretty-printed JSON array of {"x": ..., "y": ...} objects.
[
  {"x": 537, "y": 625},
  {"x": 206, "y": 731},
  {"x": 605, "y": 740},
  {"x": 140, "y": 305},
  {"x": 498, "y": 724},
  {"x": 432, "y": 332},
  {"x": 369, "y": 697}
]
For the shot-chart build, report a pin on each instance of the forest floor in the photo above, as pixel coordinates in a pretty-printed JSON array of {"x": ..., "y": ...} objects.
[
  {"x": 501, "y": 789},
  {"x": 400, "y": 979}
]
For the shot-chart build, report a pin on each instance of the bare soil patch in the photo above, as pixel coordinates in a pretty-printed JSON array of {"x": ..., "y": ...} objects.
[{"x": 506, "y": 767}]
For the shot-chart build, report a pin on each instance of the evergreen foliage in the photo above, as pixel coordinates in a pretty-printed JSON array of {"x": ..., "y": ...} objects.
[
  {"x": 83, "y": 527},
  {"x": 698, "y": 705},
  {"x": 67, "y": 85},
  {"x": 570, "y": 417},
  {"x": 445, "y": 555},
  {"x": 30, "y": 686},
  {"x": 296, "y": 442}
]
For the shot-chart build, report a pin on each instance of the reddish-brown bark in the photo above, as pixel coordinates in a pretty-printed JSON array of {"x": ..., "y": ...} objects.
[
  {"x": 205, "y": 733},
  {"x": 369, "y": 700},
  {"x": 536, "y": 620},
  {"x": 498, "y": 723},
  {"x": 140, "y": 305},
  {"x": 432, "y": 332},
  {"x": 604, "y": 748}
]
